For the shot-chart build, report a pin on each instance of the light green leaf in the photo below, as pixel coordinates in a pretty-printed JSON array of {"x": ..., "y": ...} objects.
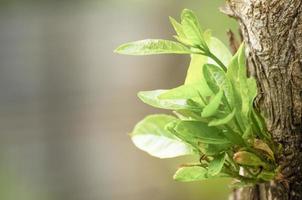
[
  {"x": 194, "y": 73},
  {"x": 183, "y": 92},
  {"x": 212, "y": 108},
  {"x": 222, "y": 121},
  {"x": 152, "y": 46},
  {"x": 191, "y": 27},
  {"x": 237, "y": 73},
  {"x": 187, "y": 115},
  {"x": 151, "y": 136},
  {"x": 187, "y": 174},
  {"x": 151, "y": 98},
  {"x": 181, "y": 37},
  {"x": 216, "y": 165},
  {"x": 219, "y": 50},
  {"x": 214, "y": 77},
  {"x": 195, "y": 132}
]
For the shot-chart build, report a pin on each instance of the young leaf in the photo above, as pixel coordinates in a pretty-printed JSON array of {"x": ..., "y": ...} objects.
[
  {"x": 151, "y": 136},
  {"x": 151, "y": 47},
  {"x": 213, "y": 106},
  {"x": 187, "y": 115},
  {"x": 260, "y": 145},
  {"x": 246, "y": 158},
  {"x": 194, "y": 73},
  {"x": 220, "y": 51},
  {"x": 181, "y": 37},
  {"x": 216, "y": 165},
  {"x": 222, "y": 121},
  {"x": 214, "y": 76},
  {"x": 187, "y": 174},
  {"x": 151, "y": 98},
  {"x": 214, "y": 149},
  {"x": 191, "y": 27},
  {"x": 183, "y": 92},
  {"x": 199, "y": 132}
]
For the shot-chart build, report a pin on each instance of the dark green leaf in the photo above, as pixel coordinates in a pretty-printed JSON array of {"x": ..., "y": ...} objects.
[
  {"x": 216, "y": 165},
  {"x": 199, "y": 132},
  {"x": 222, "y": 121},
  {"x": 214, "y": 149}
]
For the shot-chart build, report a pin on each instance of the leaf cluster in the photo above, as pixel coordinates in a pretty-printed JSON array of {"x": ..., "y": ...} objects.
[{"x": 214, "y": 116}]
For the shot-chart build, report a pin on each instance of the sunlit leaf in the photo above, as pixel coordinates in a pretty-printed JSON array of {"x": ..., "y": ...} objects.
[
  {"x": 191, "y": 27},
  {"x": 184, "y": 92},
  {"x": 187, "y": 174},
  {"x": 151, "y": 98},
  {"x": 220, "y": 51},
  {"x": 151, "y": 136},
  {"x": 213, "y": 106},
  {"x": 152, "y": 46}
]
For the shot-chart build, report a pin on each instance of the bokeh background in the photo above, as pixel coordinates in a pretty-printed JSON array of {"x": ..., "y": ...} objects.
[{"x": 67, "y": 102}]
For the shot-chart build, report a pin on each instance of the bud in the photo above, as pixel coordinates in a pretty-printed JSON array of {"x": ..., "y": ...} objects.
[
  {"x": 248, "y": 159},
  {"x": 260, "y": 145}
]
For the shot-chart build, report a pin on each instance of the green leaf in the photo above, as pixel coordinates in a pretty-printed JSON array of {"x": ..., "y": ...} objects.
[
  {"x": 151, "y": 136},
  {"x": 212, "y": 108},
  {"x": 222, "y": 121},
  {"x": 216, "y": 165},
  {"x": 183, "y": 92},
  {"x": 214, "y": 77},
  {"x": 219, "y": 50},
  {"x": 187, "y": 115},
  {"x": 194, "y": 73},
  {"x": 152, "y": 46},
  {"x": 195, "y": 132},
  {"x": 191, "y": 27},
  {"x": 151, "y": 98},
  {"x": 187, "y": 174},
  {"x": 214, "y": 149},
  {"x": 181, "y": 37},
  {"x": 248, "y": 133},
  {"x": 237, "y": 73}
]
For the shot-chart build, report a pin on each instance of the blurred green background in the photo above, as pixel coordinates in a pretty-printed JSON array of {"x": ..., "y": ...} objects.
[{"x": 67, "y": 102}]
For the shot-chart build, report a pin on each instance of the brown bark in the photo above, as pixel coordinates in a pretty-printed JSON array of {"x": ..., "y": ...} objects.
[{"x": 272, "y": 31}]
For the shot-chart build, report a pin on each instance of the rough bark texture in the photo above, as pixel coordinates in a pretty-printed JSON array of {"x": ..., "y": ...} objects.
[{"x": 272, "y": 30}]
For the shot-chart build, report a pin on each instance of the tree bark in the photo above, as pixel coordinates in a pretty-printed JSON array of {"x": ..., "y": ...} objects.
[{"x": 272, "y": 31}]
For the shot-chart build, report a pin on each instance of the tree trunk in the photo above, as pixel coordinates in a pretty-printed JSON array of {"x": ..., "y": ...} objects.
[{"x": 272, "y": 31}]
